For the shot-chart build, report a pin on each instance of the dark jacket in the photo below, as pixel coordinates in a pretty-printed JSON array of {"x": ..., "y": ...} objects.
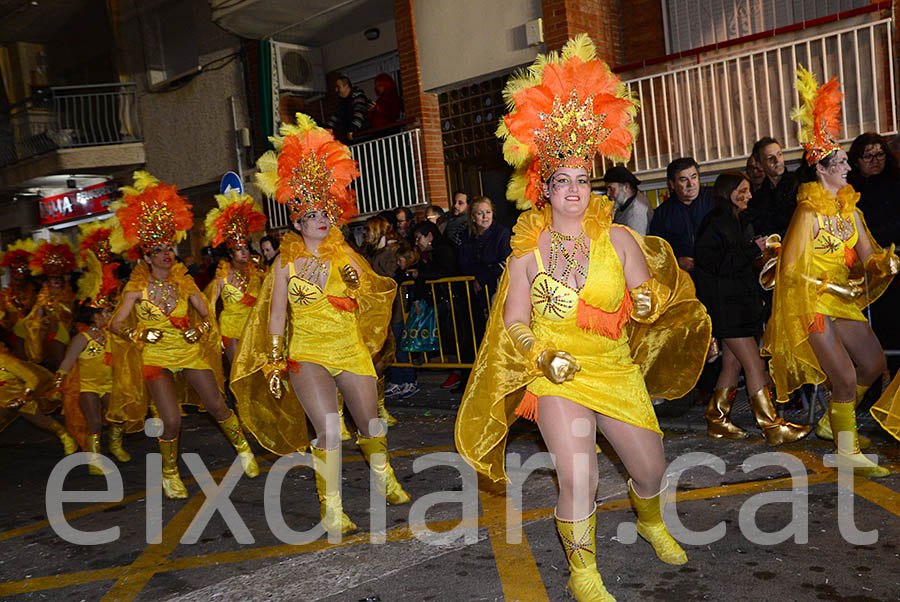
[
  {"x": 438, "y": 262},
  {"x": 485, "y": 256},
  {"x": 727, "y": 281},
  {"x": 678, "y": 223},
  {"x": 770, "y": 210},
  {"x": 880, "y": 203},
  {"x": 350, "y": 113}
]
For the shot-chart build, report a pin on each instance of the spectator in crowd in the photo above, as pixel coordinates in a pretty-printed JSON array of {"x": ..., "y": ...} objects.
[
  {"x": 772, "y": 206},
  {"x": 380, "y": 245},
  {"x": 485, "y": 247},
  {"x": 458, "y": 218},
  {"x": 269, "y": 244},
  {"x": 677, "y": 219},
  {"x": 755, "y": 174},
  {"x": 433, "y": 214},
  {"x": 728, "y": 286},
  {"x": 632, "y": 208},
  {"x": 387, "y": 107},
  {"x": 351, "y": 112},
  {"x": 405, "y": 219},
  {"x": 402, "y": 379},
  {"x": 207, "y": 269},
  {"x": 391, "y": 217}
]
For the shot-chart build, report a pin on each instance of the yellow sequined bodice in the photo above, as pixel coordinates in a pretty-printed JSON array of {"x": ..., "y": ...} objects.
[
  {"x": 551, "y": 298},
  {"x": 301, "y": 291},
  {"x": 833, "y": 249},
  {"x": 172, "y": 351},
  {"x": 94, "y": 367}
]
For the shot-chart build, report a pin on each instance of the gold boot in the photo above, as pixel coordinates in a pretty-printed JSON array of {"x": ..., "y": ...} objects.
[
  {"x": 154, "y": 413},
  {"x": 651, "y": 527},
  {"x": 116, "y": 433},
  {"x": 345, "y": 434},
  {"x": 328, "y": 486},
  {"x": 69, "y": 444},
  {"x": 823, "y": 428},
  {"x": 843, "y": 418},
  {"x": 775, "y": 429},
  {"x": 231, "y": 426},
  {"x": 171, "y": 481},
  {"x": 382, "y": 411},
  {"x": 580, "y": 545},
  {"x": 93, "y": 448},
  {"x": 385, "y": 480},
  {"x": 718, "y": 416}
]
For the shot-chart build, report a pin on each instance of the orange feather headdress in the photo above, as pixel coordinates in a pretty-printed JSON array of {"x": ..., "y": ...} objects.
[
  {"x": 563, "y": 110},
  {"x": 149, "y": 214},
  {"x": 309, "y": 171},
  {"x": 819, "y": 115},
  {"x": 98, "y": 285},
  {"x": 18, "y": 256},
  {"x": 234, "y": 220},
  {"x": 54, "y": 257},
  {"x": 94, "y": 236}
]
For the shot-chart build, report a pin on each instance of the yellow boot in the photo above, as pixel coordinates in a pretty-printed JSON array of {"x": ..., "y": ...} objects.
[
  {"x": 154, "y": 413},
  {"x": 116, "y": 433},
  {"x": 93, "y": 447},
  {"x": 231, "y": 426},
  {"x": 345, "y": 434},
  {"x": 328, "y": 486},
  {"x": 718, "y": 416},
  {"x": 382, "y": 411},
  {"x": 171, "y": 481},
  {"x": 385, "y": 480},
  {"x": 580, "y": 544},
  {"x": 651, "y": 527},
  {"x": 775, "y": 429},
  {"x": 69, "y": 444},
  {"x": 823, "y": 428},
  {"x": 843, "y": 418}
]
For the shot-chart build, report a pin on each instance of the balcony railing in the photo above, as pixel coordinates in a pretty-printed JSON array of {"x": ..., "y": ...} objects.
[
  {"x": 391, "y": 176},
  {"x": 714, "y": 111},
  {"x": 67, "y": 117}
]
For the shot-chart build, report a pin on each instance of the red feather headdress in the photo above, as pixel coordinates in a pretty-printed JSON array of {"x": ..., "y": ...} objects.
[
  {"x": 54, "y": 257},
  {"x": 18, "y": 255},
  {"x": 234, "y": 220},
  {"x": 94, "y": 236}
]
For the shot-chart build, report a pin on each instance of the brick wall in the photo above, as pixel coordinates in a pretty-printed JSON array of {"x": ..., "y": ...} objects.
[
  {"x": 599, "y": 19},
  {"x": 643, "y": 34},
  {"x": 420, "y": 106}
]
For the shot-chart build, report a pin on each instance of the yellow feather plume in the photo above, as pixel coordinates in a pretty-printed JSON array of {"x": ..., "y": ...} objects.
[{"x": 91, "y": 278}]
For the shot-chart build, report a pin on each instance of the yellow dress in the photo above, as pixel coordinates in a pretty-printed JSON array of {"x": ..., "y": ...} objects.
[
  {"x": 593, "y": 325},
  {"x": 57, "y": 307},
  {"x": 172, "y": 351},
  {"x": 236, "y": 303},
  {"x": 337, "y": 327},
  {"x": 16, "y": 305},
  {"x": 95, "y": 366},
  {"x": 832, "y": 257},
  {"x": 17, "y": 376}
]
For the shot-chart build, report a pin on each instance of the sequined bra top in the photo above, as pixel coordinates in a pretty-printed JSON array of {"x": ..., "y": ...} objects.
[
  {"x": 835, "y": 234},
  {"x": 551, "y": 298},
  {"x": 301, "y": 291}
]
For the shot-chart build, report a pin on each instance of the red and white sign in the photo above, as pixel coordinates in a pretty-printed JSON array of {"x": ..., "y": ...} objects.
[{"x": 82, "y": 202}]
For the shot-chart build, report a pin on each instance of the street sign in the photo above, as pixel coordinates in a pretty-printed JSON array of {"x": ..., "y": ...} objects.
[{"x": 231, "y": 181}]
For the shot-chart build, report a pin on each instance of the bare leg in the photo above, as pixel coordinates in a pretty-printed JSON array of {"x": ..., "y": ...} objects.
[
  {"x": 164, "y": 395},
  {"x": 835, "y": 362},
  {"x": 316, "y": 390},
  {"x": 204, "y": 383},
  {"x": 569, "y": 431},
  {"x": 361, "y": 397},
  {"x": 640, "y": 449},
  {"x": 864, "y": 349},
  {"x": 231, "y": 350},
  {"x": 93, "y": 411},
  {"x": 746, "y": 351},
  {"x": 731, "y": 369}
]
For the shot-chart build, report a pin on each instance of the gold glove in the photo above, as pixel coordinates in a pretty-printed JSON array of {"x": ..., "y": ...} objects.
[
  {"x": 350, "y": 276},
  {"x": 849, "y": 292},
  {"x": 58, "y": 379},
  {"x": 885, "y": 263},
  {"x": 192, "y": 335},
  {"x": 25, "y": 398},
  {"x": 648, "y": 300},
  {"x": 275, "y": 367},
  {"x": 141, "y": 335},
  {"x": 558, "y": 366}
]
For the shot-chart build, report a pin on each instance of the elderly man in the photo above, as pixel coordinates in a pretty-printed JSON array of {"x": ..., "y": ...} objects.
[
  {"x": 772, "y": 206},
  {"x": 678, "y": 218},
  {"x": 632, "y": 208}
]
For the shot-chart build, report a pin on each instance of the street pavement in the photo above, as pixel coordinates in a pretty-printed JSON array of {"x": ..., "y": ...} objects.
[{"x": 432, "y": 550}]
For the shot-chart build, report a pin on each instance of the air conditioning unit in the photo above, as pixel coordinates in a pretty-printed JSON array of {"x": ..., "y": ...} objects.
[{"x": 299, "y": 68}]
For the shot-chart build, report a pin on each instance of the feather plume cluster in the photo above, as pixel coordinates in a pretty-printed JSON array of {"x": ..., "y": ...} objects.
[
  {"x": 18, "y": 254},
  {"x": 234, "y": 220},
  {"x": 54, "y": 257},
  {"x": 94, "y": 236},
  {"x": 98, "y": 285},
  {"x": 149, "y": 214},
  {"x": 819, "y": 115}
]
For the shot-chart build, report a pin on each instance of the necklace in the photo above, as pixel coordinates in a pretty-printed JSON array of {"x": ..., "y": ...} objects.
[
  {"x": 240, "y": 280},
  {"x": 312, "y": 270},
  {"x": 838, "y": 226},
  {"x": 163, "y": 294},
  {"x": 98, "y": 335},
  {"x": 558, "y": 248}
]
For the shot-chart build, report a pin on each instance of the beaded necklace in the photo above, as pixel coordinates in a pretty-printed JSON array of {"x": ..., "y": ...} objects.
[
  {"x": 165, "y": 294},
  {"x": 240, "y": 280},
  {"x": 99, "y": 335},
  {"x": 838, "y": 226},
  {"x": 313, "y": 270},
  {"x": 557, "y": 248}
]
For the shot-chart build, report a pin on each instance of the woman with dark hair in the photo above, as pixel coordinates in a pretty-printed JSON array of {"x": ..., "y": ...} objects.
[
  {"x": 874, "y": 174},
  {"x": 47, "y": 325},
  {"x": 269, "y": 244},
  {"x": 817, "y": 330},
  {"x": 728, "y": 286}
]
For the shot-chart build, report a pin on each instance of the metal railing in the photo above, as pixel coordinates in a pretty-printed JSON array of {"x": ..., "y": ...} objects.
[
  {"x": 715, "y": 111},
  {"x": 391, "y": 176},
  {"x": 67, "y": 117}
]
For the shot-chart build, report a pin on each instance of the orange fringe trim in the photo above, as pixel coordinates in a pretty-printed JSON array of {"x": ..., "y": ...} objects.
[
  {"x": 180, "y": 323},
  {"x": 343, "y": 303},
  {"x": 248, "y": 300},
  {"x": 151, "y": 372},
  {"x": 818, "y": 324},
  {"x": 293, "y": 366},
  {"x": 528, "y": 407},
  {"x": 849, "y": 256},
  {"x": 605, "y": 323}
]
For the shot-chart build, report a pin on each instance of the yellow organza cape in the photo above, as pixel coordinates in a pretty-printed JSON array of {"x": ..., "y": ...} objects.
[
  {"x": 129, "y": 397},
  {"x": 671, "y": 352},
  {"x": 786, "y": 339},
  {"x": 280, "y": 425},
  {"x": 36, "y": 329}
]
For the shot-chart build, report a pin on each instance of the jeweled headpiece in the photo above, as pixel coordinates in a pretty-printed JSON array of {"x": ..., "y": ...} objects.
[
  {"x": 54, "y": 257},
  {"x": 149, "y": 214},
  {"x": 18, "y": 256},
  {"x": 819, "y": 115},
  {"x": 563, "y": 110},
  {"x": 234, "y": 220},
  {"x": 94, "y": 236},
  {"x": 309, "y": 171},
  {"x": 98, "y": 285}
]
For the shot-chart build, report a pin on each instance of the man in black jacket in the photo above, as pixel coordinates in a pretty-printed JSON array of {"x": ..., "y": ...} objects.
[{"x": 772, "y": 206}]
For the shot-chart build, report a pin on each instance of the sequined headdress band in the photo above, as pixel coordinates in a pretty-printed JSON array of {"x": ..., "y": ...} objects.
[{"x": 819, "y": 115}]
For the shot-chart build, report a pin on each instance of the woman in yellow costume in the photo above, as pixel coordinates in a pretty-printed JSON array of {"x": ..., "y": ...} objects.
[
  {"x": 237, "y": 281},
  {"x": 581, "y": 316},
  {"x": 47, "y": 326},
  {"x": 17, "y": 299},
  {"x": 85, "y": 375},
  {"x": 829, "y": 269},
  {"x": 321, "y": 315},
  {"x": 163, "y": 326}
]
